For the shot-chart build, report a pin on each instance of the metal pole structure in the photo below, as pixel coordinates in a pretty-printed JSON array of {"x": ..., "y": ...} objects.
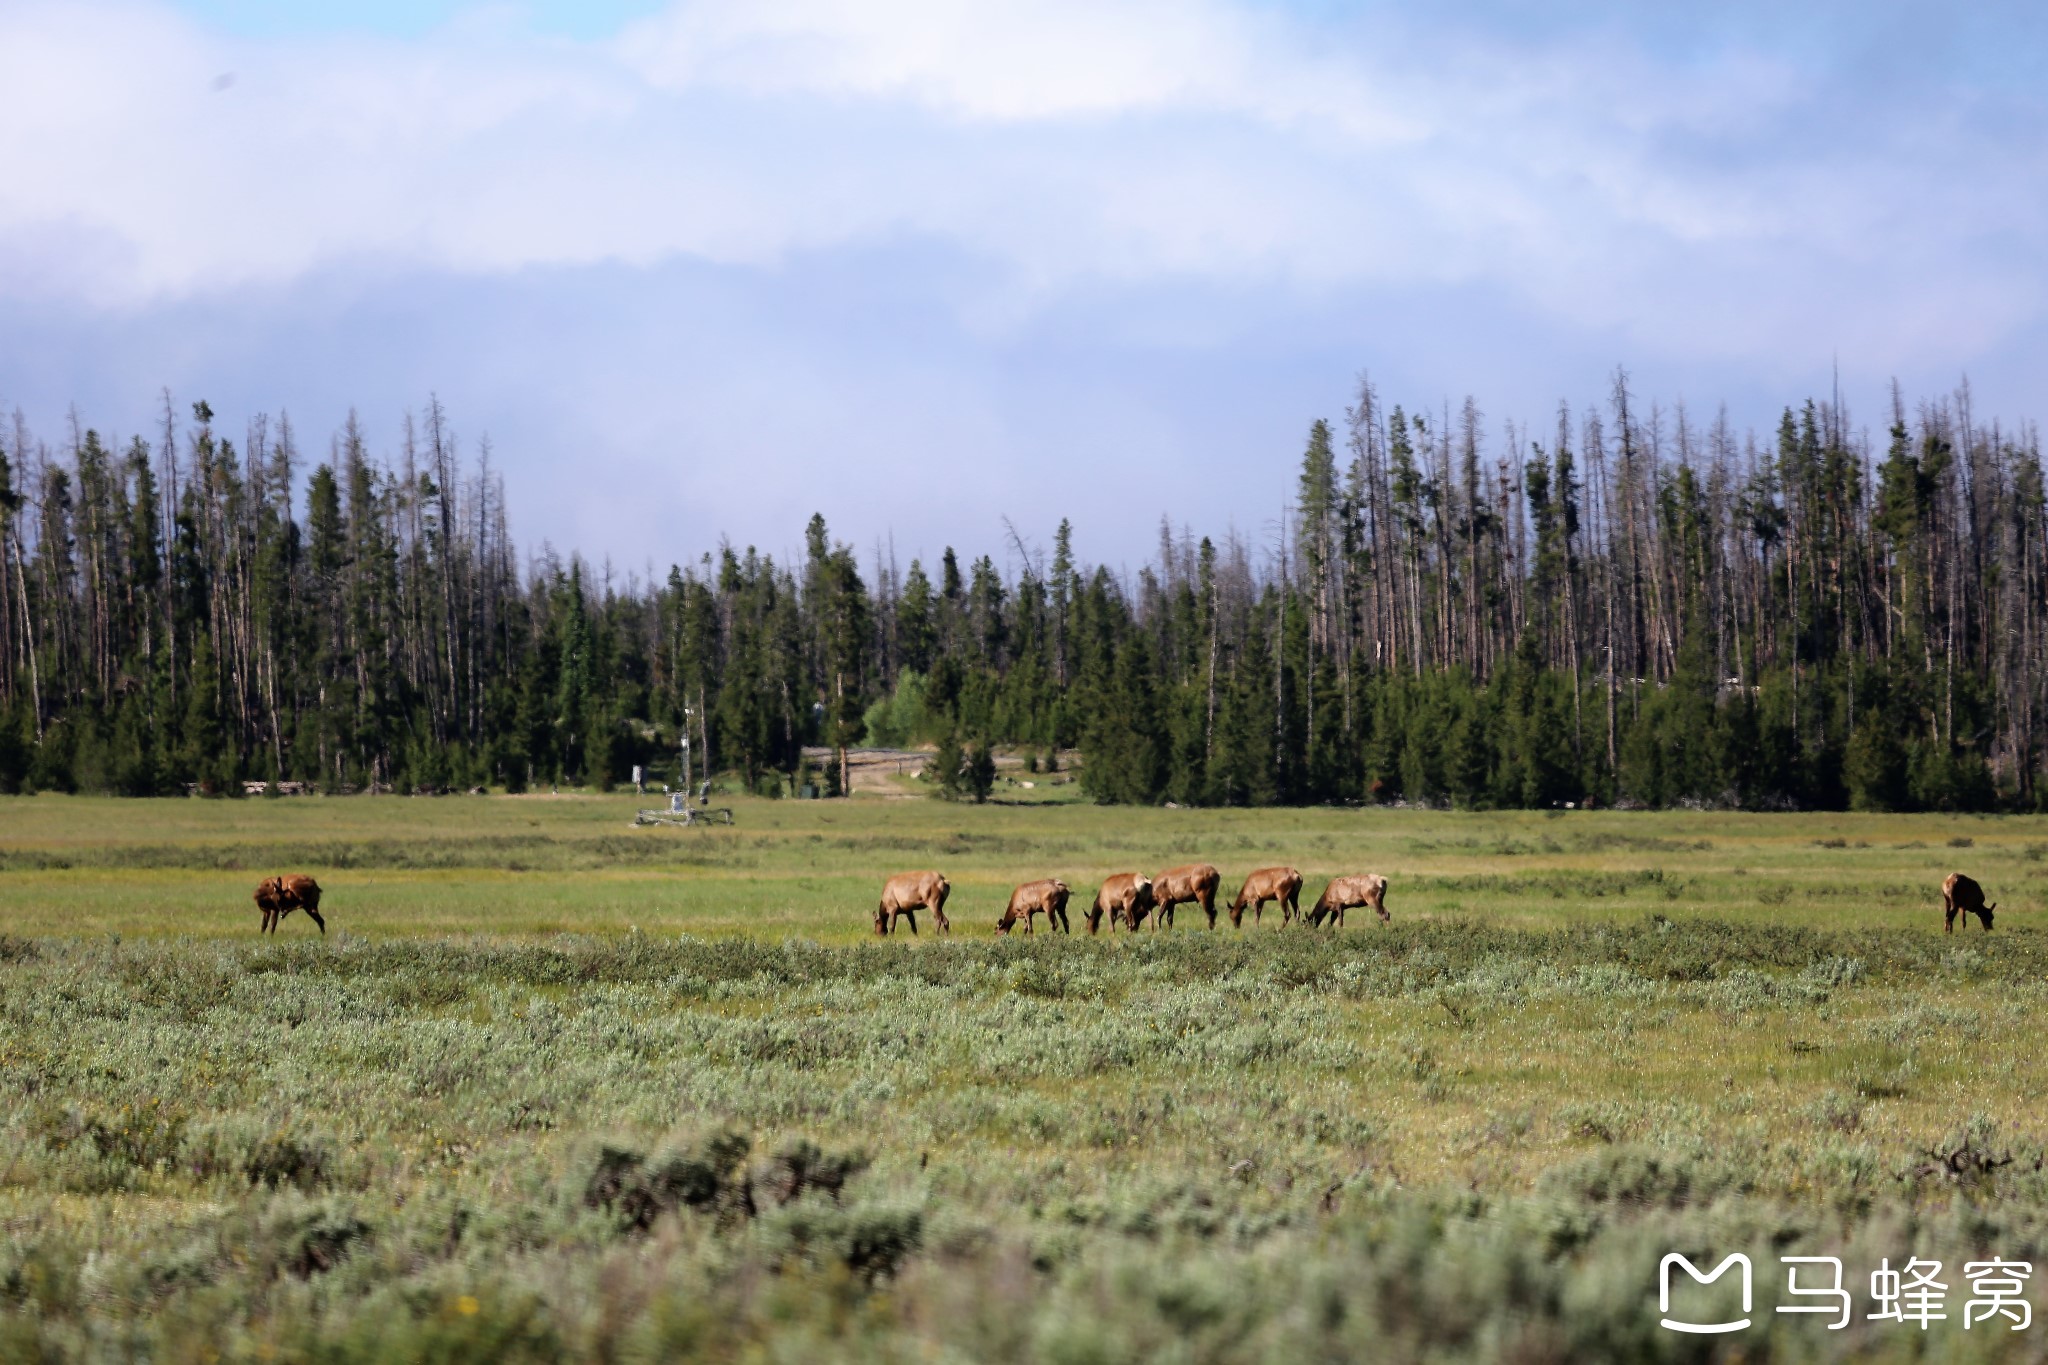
[{"x": 687, "y": 713}]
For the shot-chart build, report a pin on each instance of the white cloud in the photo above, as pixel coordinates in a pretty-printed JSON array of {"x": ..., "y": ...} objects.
[
  {"x": 1016, "y": 60},
  {"x": 1064, "y": 142}
]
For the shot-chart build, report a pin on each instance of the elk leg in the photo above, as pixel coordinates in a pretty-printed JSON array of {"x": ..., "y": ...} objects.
[{"x": 315, "y": 916}]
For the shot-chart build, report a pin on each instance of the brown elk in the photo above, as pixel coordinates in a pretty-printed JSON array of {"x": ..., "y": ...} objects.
[
  {"x": 906, "y": 893},
  {"x": 1961, "y": 895},
  {"x": 1049, "y": 896},
  {"x": 1367, "y": 888},
  {"x": 1282, "y": 884},
  {"x": 1126, "y": 896},
  {"x": 277, "y": 897},
  {"x": 1197, "y": 882}
]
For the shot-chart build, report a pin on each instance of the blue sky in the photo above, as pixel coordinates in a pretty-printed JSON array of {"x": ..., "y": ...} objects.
[
  {"x": 703, "y": 266},
  {"x": 412, "y": 19}
]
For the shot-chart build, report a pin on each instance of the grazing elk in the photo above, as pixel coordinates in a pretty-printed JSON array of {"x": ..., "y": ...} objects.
[
  {"x": 1196, "y": 882},
  {"x": 1367, "y": 888},
  {"x": 1029, "y": 899},
  {"x": 1126, "y": 896},
  {"x": 277, "y": 897},
  {"x": 1961, "y": 895},
  {"x": 1281, "y": 884},
  {"x": 906, "y": 893}
]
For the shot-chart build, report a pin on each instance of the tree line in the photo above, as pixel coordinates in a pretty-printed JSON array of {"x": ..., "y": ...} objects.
[{"x": 1629, "y": 606}]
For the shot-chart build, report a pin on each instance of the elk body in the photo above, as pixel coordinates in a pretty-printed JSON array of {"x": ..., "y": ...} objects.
[
  {"x": 277, "y": 897},
  {"x": 1366, "y": 888},
  {"x": 909, "y": 892},
  {"x": 1048, "y": 896},
  {"x": 1960, "y": 895},
  {"x": 1196, "y": 882},
  {"x": 1125, "y": 896},
  {"x": 1282, "y": 884}
]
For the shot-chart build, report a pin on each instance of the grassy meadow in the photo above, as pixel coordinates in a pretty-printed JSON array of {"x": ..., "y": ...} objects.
[{"x": 553, "y": 1086}]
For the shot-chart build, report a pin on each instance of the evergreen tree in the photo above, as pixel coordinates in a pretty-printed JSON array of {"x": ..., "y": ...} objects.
[
  {"x": 914, "y": 621},
  {"x": 949, "y": 765},
  {"x": 979, "y": 774},
  {"x": 1635, "y": 610}
]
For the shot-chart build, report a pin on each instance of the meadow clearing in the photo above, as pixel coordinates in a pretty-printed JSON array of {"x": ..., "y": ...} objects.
[{"x": 554, "y": 1086}]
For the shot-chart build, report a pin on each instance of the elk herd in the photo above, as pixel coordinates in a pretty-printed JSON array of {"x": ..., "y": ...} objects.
[
  {"x": 1130, "y": 898},
  {"x": 1124, "y": 898}
]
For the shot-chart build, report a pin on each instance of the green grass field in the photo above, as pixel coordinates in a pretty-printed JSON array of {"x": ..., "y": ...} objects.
[
  {"x": 519, "y": 866},
  {"x": 555, "y": 1086}
]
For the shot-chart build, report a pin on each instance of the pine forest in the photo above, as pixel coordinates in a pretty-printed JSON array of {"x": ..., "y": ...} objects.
[{"x": 1631, "y": 605}]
